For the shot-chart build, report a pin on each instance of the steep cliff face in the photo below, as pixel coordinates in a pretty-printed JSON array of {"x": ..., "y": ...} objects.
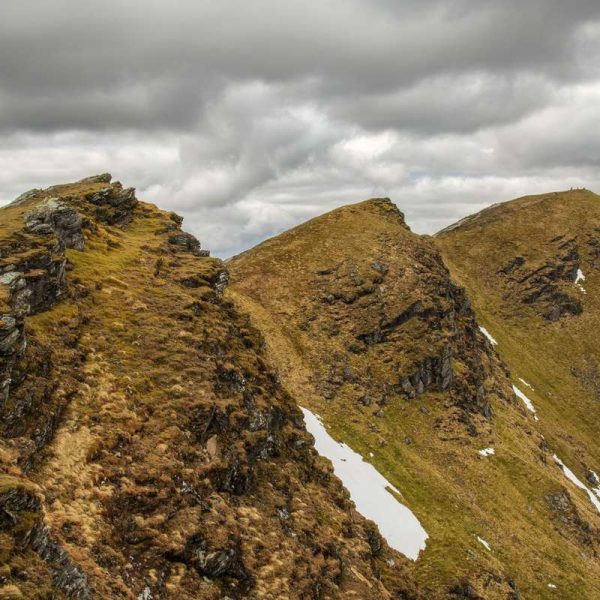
[
  {"x": 147, "y": 449},
  {"x": 368, "y": 329}
]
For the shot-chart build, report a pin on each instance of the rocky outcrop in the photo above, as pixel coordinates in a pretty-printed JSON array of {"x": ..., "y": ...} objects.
[
  {"x": 569, "y": 521},
  {"x": 437, "y": 311},
  {"x": 54, "y": 217},
  {"x": 21, "y": 518},
  {"x": 185, "y": 240},
  {"x": 547, "y": 287},
  {"x": 12, "y": 346},
  {"x": 114, "y": 204},
  {"x": 35, "y": 283},
  {"x": 217, "y": 563},
  {"x": 68, "y": 575},
  {"x": 433, "y": 373},
  {"x": 32, "y": 280},
  {"x": 102, "y": 178}
]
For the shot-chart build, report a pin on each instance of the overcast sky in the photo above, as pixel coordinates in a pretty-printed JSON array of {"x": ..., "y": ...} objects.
[{"x": 248, "y": 117}]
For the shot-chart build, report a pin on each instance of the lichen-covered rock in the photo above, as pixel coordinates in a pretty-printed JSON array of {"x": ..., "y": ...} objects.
[
  {"x": 185, "y": 240},
  {"x": 115, "y": 205},
  {"x": 12, "y": 346},
  {"x": 37, "y": 282},
  {"x": 52, "y": 216},
  {"x": 102, "y": 178}
]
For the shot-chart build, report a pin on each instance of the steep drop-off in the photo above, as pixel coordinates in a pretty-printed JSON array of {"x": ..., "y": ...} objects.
[
  {"x": 147, "y": 449},
  {"x": 368, "y": 330}
]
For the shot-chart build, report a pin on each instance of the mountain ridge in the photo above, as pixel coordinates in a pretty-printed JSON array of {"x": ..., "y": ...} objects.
[
  {"x": 152, "y": 443},
  {"x": 148, "y": 450},
  {"x": 326, "y": 313}
]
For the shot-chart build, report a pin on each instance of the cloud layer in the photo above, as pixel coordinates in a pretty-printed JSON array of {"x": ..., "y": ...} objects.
[{"x": 250, "y": 117}]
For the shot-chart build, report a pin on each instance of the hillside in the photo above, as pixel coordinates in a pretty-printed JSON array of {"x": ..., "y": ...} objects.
[
  {"x": 531, "y": 266},
  {"x": 368, "y": 330},
  {"x": 147, "y": 449}
]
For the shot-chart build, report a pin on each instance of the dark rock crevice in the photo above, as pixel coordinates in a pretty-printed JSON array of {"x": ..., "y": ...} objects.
[
  {"x": 21, "y": 517},
  {"x": 547, "y": 287}
]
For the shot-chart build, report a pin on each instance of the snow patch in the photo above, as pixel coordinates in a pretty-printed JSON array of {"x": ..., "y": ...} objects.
[
  {"x": 484, "y": 543},
  {"x": 488, "y": 335},
  {"x": 528, "y": 403},
  {"x": 580, "y": 277},
  {"x": 525, "y": 383},
  {"x": 370, "y": 491},
  {"x": 487, "y": 452},
  {"x": 573, "y": 478}
]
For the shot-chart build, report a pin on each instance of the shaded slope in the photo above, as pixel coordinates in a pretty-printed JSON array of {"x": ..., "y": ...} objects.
[
  {"x": 147, "y": 449},
  {"x": 368, "y": 330}
]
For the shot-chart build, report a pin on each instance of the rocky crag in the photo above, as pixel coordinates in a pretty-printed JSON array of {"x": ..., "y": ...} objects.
[{"x": 147, "y": 449}]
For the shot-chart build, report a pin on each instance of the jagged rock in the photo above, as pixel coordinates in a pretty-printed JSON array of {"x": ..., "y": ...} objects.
[
  {"x": 216, "y": 563},
  {"x": 21, "y": 516},
  {"x": 12, "y": 346},
  {"x": 38, "y": 283},
  {"x": 52, "y": 216},
  {"x": 67, "y": 574},
  {"x": 548, "y": 287},
  {"x": 115, "y": 204},
  {"x": 185, "y": 240},
  {"x": 221, "y": 281},
  {"x": 102, "y": 178},
  {"x": 25, "y": 196},
  {"x": 432, "y": 373},
  {"x": 9, "y": 334}
]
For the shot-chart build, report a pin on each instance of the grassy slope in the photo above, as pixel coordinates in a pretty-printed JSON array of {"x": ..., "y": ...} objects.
[
  {"x": 540, "y": 352},
  {"x": 418, "y": 445},
  {"x": 129, "y": 479}
]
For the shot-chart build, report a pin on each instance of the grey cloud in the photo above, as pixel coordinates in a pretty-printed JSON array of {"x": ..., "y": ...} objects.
[
  {"x": 250, "y": 117},
  {"x": 114, "y": 55}
]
